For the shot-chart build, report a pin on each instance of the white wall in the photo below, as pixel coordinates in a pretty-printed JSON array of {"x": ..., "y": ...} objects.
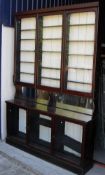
[{"x": 7, "y": 61}]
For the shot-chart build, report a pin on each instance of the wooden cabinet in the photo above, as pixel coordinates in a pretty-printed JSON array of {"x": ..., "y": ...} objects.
[
  {"x": 52, "y": 133},
  {"x": 53, "y": 111}
]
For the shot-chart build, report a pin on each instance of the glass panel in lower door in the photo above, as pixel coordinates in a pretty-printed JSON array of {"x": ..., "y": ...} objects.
[
  {"x": 17, "y": 124},
  {"x": 40, "y": 131},
  {"x": 68, "y": 140}
]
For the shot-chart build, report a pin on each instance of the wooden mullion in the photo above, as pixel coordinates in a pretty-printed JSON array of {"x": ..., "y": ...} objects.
[
  {"x": 27, "y": 128},
  {"x": 35, "y": 72},
  {"x": 43, "y": 143},
  {"x": 72, "y": 143},
  {"x": 44, "y": 122},
  {"x": 39, "y": 49},
  {"x": 17, "y": 52},
  {"x": 63, "y": 54},
  {"x": 65, "y": 51},
  {"x": 96, "y": 52}
]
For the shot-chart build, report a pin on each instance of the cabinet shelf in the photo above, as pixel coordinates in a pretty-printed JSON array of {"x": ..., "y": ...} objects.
[
  {"x": 85, "y": 41},
  {"x": 74, "y": 25},
  {"x": 27, "y": 62},
  {"x": 26, "y": 39},
  {"x": 79, "y": 54},
  {"x": 79, "y": 68},
  {"x": 51, "y": 68},
  {"x": 26, "y": 30},
  {"x": 50, "y": 51},
  {"x": 80, "y": 82},
  {"x": 27, "y": 50},
  {"x": 53, "y": 39},
  {"x": 55, "y": 26},
  {"x": 27, "y": 73},
  {"x": 50, "y": 78}
]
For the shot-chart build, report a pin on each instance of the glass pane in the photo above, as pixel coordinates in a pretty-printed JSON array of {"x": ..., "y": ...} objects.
[
  {"x": 75, "y": 132},
  {"x": 50, "y": 82},
  {"x": 51, "y": 45},
  {"x": 22, "y": 121},
  {"x": 79, "y": 87},
  {"x": 80, "y": 61},
  {"x": 51, "y": 60},
  {"x": 28, "y": 23},
  {"x": 82, "y": 18},
  {"x": 45, "y": 117},
  {"x": 27, "y": 67},
  {"x": 54, "y": 20},
  {"x": 27, "y": 56},
  {"x": 45, "y": 133},
  {"x": 79, "y": 75},
  {"x": 83, "y": 33},
  {"x": 55, "y": 32},
  {"x": 81, "y": 48},
  {"x": 26, "y": 78},
  {"x": 27, "y": 34},
  {"x": 51, "y": 73},
  {"x": 28, "y": 45}
]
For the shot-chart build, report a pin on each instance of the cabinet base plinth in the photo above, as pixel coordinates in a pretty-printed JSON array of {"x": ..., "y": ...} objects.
[{"x": 76, "y": 168}]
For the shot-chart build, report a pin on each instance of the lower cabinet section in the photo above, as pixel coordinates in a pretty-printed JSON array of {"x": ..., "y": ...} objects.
[{"x": 64, "y": 141}]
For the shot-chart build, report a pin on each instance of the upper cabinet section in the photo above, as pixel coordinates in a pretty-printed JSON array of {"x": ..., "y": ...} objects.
[{"x": 55, "y": 50}]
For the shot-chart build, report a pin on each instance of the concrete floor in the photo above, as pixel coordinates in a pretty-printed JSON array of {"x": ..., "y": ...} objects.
[
  {"x": 10, "y": 167},
  {"x": 16, "y": 162}
]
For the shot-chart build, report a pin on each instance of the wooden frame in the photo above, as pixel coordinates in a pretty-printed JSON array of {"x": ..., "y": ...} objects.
[{"x": 64, "y": 11}]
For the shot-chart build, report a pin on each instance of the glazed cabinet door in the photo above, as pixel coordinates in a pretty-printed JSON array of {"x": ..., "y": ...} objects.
[
  {"x": 16, "y": 123},
  {"x": 40, "y": 131}
]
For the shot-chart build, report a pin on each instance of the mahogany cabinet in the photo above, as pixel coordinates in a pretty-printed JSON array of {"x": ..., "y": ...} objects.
[
  {"x": 48, "y": 133},
  {"x": 53, "y": 111}
]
